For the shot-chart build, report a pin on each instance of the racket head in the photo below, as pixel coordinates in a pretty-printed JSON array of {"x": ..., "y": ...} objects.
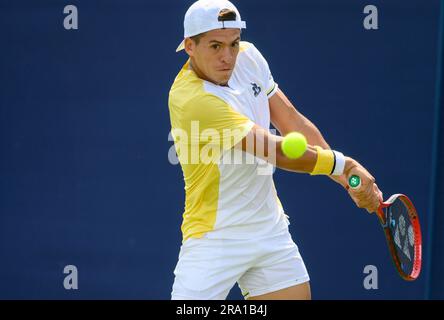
[{"x": 402, "y": 229}]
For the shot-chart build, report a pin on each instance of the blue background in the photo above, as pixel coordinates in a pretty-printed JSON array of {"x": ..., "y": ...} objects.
[{"x": 84, "y": 123}]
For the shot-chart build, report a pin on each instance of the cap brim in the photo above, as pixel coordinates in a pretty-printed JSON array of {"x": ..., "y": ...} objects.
[
  {"x": 224, "y": 24},
  {"x": 181, "y": 46}
]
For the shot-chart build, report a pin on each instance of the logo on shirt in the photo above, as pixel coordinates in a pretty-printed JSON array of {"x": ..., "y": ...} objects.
[{"x": 256, "y": 89}]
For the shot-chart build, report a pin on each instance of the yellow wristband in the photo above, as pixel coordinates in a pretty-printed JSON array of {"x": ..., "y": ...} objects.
[{"x": 324, "y": 163}]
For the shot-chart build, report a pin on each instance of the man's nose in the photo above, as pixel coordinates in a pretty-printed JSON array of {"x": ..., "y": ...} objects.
[{"x": 227, "y": 55}]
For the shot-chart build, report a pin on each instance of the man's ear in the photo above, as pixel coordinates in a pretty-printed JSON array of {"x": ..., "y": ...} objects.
[{"x": 189, "y": 46}]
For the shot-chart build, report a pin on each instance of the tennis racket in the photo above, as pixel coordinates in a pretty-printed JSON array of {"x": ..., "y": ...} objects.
[{"x": 399, "y": 219}]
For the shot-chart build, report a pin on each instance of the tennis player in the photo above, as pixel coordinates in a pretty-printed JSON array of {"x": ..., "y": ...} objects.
[{"x": 234, "y": 226}]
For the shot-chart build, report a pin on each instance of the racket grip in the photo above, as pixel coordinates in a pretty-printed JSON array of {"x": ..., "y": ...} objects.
[{"x": 354, "y": 182}]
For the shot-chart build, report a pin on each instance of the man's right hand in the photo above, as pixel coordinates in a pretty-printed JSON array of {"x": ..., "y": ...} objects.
[{"x": 367, "y": 196}]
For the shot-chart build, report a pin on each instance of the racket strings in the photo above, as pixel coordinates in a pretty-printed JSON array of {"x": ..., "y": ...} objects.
[{"x": 403, "y": 234}]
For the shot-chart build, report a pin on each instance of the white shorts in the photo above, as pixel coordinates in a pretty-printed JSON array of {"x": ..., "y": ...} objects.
[{"x": 208, "y": 268}]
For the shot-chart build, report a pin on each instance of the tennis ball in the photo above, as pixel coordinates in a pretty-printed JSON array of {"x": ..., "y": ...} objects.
[{"x": 294, "y": 145}]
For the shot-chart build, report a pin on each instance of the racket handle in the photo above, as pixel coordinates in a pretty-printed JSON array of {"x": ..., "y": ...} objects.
[{"x": 354, "y": 182}]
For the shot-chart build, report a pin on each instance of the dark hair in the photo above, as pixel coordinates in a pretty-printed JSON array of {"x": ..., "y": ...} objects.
[
  {"x": 227, "y": 15},
  {"x": 224, "y": 15}
]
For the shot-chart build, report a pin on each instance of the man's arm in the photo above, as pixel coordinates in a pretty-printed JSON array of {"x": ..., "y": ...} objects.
[
  {"x": 262, "y": 144},
  {"x": 286, "y": 119}
]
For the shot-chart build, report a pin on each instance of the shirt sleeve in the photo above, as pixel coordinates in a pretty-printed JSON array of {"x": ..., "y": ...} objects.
[
  {"x": 208, "y": 119},
  {"x": 265, "y": 73}
]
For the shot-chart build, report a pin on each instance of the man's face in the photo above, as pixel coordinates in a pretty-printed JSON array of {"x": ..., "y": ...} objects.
[{"x": 213, "y": 59}]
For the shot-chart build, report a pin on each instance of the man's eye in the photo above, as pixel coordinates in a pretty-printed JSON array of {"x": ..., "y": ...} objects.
[
  {"x": 235, "y": 44},
  {"x": 215, "y": 46}
]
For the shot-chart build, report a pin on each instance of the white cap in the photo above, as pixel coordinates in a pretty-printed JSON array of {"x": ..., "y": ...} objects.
[{"x": 203, "y": 16}]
